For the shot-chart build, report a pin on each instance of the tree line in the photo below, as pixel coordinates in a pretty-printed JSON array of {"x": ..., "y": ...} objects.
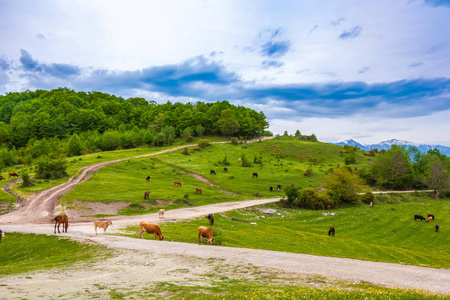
[{"x": 62, "y": 122}]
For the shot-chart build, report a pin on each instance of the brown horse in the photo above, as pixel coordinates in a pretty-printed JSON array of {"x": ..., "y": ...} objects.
[
  {"x": 147, "y": 195},
  {"x": 176, "y": 182},
  {"x": 61, "y": 219},
  {"x": 2, "y": 178},
  {"x": 13, "y": 174},
  {"x": 198, "y": 190}
]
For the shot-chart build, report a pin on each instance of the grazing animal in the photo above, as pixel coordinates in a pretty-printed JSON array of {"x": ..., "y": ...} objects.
[
  {"x": 225, "y": 169},
  {"x": 198, "y": 190},
  {"x": 240, "y": 159},
  {"x": 429, "y": 219},
  {"x": 279, "y": 186},
  {"x": 148, "y": 178},
  {"x": 212, "y": 172},
  {"x": 205, "y": 232},
  {"x": 371, "y": 204},
  {"x": 278, "y": 189},
  {"x": 13, "y": 174},
  {"x": 1, "y": 234},
  {"x": 255, "y": 175},
  {"x": 429, "y": 215},
  {"x": 2, "y": 178},
  {"x": 161, "y": 213},
  {"x": 176, "y": 182},
  {"x": 271, "y": 188},
  {"x": 331, "y": 231},
  {"x": 102, "y": 224},
  {"x": 437, "y": 227},
  {"x": 150, "y": 228},
  {"x": 418, "y": 217},
  {"x": 329, "y": 206},
  {"x": 211, "y": 219},
  {"x": 146, "y": 195},
  {"x": 61, "y": 219}
]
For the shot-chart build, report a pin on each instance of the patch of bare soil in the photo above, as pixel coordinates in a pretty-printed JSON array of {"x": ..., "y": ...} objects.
[
  {"x": 139, "y": 274},
  {"x": 78, "y": 209}
]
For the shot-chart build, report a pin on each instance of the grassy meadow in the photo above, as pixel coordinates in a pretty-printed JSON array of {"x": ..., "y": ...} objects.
[
  {"x": 385, "y": 233},
  {"x": 22, "y": 253},
  {"x": 283, "y": 161}
]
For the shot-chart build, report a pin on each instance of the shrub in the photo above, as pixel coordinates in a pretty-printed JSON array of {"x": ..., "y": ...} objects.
[
  {"x": 185, "y": 151},
  {"x": 51, "y": 169},
  {"x": 234, "y": 141},
  {"x": 26, "y": 181},
  {"x": 368, "y": 197},
  {"x": 203, "y": 143},
  {"x": 311, "y": 199}
]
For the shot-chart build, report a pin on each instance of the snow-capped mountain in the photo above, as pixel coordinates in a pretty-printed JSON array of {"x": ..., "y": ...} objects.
[{"x": 386, "y": 145}]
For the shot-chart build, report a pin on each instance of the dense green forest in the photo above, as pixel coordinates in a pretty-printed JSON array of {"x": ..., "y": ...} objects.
[{"x": 63, "y": 122}]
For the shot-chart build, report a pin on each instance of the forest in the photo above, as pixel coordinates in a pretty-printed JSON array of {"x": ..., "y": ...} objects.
[{"x": 62, "y": 122}]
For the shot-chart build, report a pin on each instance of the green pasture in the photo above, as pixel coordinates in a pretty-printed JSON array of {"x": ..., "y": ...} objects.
[
  {"x": 283, "y": 161},
  {"x": 126, "y": 181},
  {"x": 22, "y": 253},
  {"x": 246, "y": 291},
  {"x": 384, "y": 233}
]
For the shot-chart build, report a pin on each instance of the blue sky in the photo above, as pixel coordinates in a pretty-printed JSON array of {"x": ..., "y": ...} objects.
[{"x": 338, "y": 69}]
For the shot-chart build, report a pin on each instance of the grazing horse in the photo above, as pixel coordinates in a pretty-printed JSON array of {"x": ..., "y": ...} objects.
[
  {"x": 278, "y": 189},
  {"x": 211, "y": 219},
  {"x": 1, "y": 234},
  {"x": 271, "y": 188},
  {"x": 429, "y": 219},
  {"x": 371, "y": 204},
  {"x": 2, "y": 178},
  {"x": 437, "y": 227},
  {"x": 146, "y": 195},
  {"x": 13, "y": 174},
  {"x": 212, "y": 172},
  {"x": 198, "y": 190},
  {"x": 279, "y": 186},
  {"x": 419, "y": 217},
  {"x": 429, "y": 215},
  {"x": 148, "y": 178},
  {"x": 255, "y": 175},
  {"x": 225, "y": 169},
  {"x": 161, "y": 213},
  {"x": 176, "y": 182},
  {"x": 61, "y": 219},
  {"x": 329, "y": 206},
  {"x": 331, "y": 231}
]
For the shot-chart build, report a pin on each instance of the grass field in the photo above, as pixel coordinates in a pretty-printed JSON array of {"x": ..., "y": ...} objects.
[
  {"x": 283, "y": 161},
  {"x": 21, "y": 253},
  {"x": 385, "y": 233}
]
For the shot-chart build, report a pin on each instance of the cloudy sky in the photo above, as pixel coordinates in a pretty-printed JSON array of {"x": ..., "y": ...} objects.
[{"x": 341, "y": 69}]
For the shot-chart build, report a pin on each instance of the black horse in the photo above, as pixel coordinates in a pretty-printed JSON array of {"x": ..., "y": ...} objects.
[
  {"x": 331, "y": 231},
  {"x": 211, "y": 219}
]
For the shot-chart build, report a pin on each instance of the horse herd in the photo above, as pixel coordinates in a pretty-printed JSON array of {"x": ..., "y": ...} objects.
[
  {"x": 198, "y": 190},
  {"x": 203, "y": 232},
  {"x": 11, "y": 174}
]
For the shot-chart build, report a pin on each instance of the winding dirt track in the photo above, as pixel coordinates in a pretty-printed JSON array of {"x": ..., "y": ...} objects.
[{"x": 38, "y": 211}]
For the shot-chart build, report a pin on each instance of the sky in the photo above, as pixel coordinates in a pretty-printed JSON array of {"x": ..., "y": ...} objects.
[{"x": 341, "y": 69}]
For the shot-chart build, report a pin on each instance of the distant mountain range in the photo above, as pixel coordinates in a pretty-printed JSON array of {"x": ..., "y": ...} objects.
[{"x": 386, "y": 145}]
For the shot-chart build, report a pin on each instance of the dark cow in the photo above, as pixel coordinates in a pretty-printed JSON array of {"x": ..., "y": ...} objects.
[
  {"x": 431, "y": 216},
  {"x": 13, "y": 174},
  {"x": 331, "y": 231},
  {"x": 1, "y": 234},
  {"x": 211, "y": 219},
  {"x": 146, "y": 195},
  {"x": 271, "y": 188},
  {"x": 437, "y": 227},
  {"x": 212, "y": 172},
  {"x": 148, "y": 178},
  {"x": 225, "y": 169},
  {"x": 418, "y": 217},
  {"x": 255, "y": 175}
]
